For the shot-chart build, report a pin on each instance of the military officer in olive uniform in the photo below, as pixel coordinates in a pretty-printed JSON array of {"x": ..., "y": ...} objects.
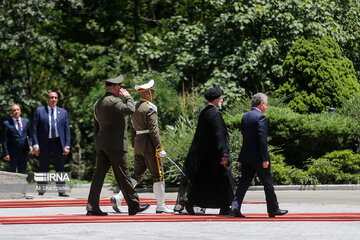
[
  {"x": 145, "y": 139},
  {"x": 111, "y": 146}
]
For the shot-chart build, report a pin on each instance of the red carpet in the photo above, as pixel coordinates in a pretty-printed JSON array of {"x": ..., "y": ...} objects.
[
  {"x": 76, "y": 203},
  {"x": 56, "y": 219},
  {"x": 254, "y": 217},
  {"x": 66, "y": 203}
]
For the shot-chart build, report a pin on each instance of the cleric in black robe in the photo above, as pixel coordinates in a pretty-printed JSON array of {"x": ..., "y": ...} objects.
[{"x": 208, "y": 182}]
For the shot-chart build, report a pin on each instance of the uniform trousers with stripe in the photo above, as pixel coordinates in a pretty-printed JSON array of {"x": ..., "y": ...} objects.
[{"x": 148, "y": 160}]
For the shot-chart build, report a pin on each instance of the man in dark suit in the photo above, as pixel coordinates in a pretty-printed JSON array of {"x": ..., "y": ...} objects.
[
  {"x": 254, "y": 157},
  {"x": 51, "y": 137},
  {"x": 16, "y": 140},
  {"x": 111, "y": 146}
]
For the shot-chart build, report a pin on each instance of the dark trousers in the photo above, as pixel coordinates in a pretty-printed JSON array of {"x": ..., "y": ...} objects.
[
  {"x": 247, "y": 174},
  {"x": 54, "y": 155},
  {"x": 118, "y": 161},
  {"x": 18, "y": 161}
]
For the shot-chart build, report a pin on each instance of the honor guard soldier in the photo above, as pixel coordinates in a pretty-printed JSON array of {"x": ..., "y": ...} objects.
[{"x": 145, "y": 139}]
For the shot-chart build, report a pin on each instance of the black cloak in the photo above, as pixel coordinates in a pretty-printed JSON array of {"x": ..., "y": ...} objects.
[{"x": 207, "y": 183}]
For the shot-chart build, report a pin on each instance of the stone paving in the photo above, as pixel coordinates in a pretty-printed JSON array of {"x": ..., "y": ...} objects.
[{"x": 309, "y": 201}]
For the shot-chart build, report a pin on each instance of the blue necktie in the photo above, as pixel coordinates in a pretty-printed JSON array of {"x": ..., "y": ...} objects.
[
  {"x": 19, "y": 127},
  {"x": 52, "y": 127}
]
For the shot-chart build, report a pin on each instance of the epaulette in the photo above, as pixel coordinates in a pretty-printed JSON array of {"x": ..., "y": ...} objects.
[{"x": 152, "y": 106}]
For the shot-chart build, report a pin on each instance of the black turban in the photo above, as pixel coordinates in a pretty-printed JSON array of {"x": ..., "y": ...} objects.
[{"x": 213, "y": 93}]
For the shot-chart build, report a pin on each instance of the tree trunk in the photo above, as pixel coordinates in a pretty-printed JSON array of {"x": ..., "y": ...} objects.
[
  {"x": 28, "y": 71},
  {"x": 136, "y": 20}
]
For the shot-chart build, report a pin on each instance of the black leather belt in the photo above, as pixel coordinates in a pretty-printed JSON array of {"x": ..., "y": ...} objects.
[{"x": 54, "y": 139}]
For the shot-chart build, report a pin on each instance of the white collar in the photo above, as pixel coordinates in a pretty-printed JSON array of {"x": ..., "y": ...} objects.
[
  {"x": 16, "y": 119},
  {"x": 49, "y": 108}
]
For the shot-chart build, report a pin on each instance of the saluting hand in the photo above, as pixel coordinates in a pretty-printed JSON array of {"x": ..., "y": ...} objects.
[{"x": 123, "y": 92}]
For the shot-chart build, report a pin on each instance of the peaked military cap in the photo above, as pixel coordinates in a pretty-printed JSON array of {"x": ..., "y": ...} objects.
[
  {"x": 146, "y": 86},
  {"x": 114, "y": 81},
  {"x": 213, "y": 93}
]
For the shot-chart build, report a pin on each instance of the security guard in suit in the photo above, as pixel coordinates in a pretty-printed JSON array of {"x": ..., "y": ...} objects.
[
  {"x": 145, "y": 139},
  {"x": 110, "y": 132}
]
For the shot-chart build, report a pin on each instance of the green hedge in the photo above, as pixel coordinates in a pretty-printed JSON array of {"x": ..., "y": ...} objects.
[
  {"x": 284, "y": 174},
  {"x": 338, "y": 167}
]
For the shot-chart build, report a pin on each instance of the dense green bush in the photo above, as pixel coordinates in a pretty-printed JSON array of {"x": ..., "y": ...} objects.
[
  {"x": 284, "y": 174},
  {"x": 351, "y": 108},
  {"x": 337, "y": 167},
  {"x": 304, "y": 136},
  {"x": 176, "y": 140},
  {"x": 317, "y": 76},
  {"x": 235, "y": 139}
]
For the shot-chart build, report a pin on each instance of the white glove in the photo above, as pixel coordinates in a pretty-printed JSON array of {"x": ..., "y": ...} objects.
[{"x": 162, "y": 153}]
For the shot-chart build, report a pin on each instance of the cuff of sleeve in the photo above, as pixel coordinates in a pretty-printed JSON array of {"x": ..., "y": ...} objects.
[
  {"x": 36, "y": 146},
  {"x": 159, "y": 149},
  {"x": 67, "y": 147}
]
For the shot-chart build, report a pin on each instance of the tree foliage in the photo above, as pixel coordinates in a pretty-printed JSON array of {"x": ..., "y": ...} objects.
[
  {"x": 338, "y": 167},
  {"x": 71, "y": 45},
  {"x": 249, "y": 40},
  {"x": 317, "y": 76}
]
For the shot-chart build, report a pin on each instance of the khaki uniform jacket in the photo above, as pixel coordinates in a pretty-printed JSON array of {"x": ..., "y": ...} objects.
[
  {"x": 110, "y": 128},
  {"x": 145, "y": 118}
]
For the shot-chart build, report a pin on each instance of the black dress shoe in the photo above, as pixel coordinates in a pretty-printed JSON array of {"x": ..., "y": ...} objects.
[
  {"x": 224, "y": 211},
  {"x": 140, "y": 208},
  {"x": 236, "y": 213},
  {"x": 97, "y": 213},
  {"x": 278, "y": 212},
  {"x": 63, "y": 195},
  {"x": 41, "y": 193}
]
